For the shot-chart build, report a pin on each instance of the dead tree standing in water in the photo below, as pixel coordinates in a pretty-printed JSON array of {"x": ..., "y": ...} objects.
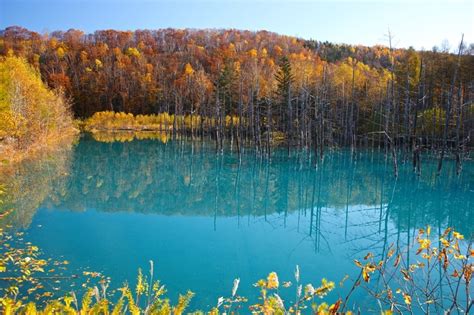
[{"x": 448, "y": 109}]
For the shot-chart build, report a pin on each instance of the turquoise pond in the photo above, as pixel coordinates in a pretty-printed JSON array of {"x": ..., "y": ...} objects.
[{"x": 206, "y": 218}]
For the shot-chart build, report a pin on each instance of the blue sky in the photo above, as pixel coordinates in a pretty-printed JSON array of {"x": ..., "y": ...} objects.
[{"x": 418, "y": 23}]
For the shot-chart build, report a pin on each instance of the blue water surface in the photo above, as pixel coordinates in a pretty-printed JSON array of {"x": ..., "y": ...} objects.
[{"x": 206, "y": 218}]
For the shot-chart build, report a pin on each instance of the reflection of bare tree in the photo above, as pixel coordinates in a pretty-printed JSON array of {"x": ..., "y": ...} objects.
[
  {"x": 219, "y": 161},
  {"x": 315, "y": 220},
  {"x": 353, "y": 196},
  {"x": 396, "y": 211}
]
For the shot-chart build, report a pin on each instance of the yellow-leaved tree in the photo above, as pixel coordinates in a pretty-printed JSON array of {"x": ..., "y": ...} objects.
[{"x": 31, "y": 114}]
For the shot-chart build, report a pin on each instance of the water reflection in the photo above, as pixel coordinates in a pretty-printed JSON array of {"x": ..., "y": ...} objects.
[
  {"x": 227, "y": 215},
  {"x": 189, "y": 179},
  {"x": 183, "y": 178},
  {"x": 126, "y": 136},
  {"x": 28, "y": 184}
]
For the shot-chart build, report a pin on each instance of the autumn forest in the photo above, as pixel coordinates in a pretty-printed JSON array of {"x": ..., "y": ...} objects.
[{"x": 304, "y": 93}]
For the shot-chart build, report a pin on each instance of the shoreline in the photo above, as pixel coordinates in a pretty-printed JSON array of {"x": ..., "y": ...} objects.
[{"x": 12, "y": 156}]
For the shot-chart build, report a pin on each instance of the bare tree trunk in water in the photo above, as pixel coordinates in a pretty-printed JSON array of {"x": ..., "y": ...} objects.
[
  {"x": 448, "y": 109},
  {"x": 416, "y": 147},
  {"x": 392, "y": 151},
  {"x": 174, "y": 116},
  {"x": 351, "y": 114},
  {"x": 458, "y": 125},
  {"x": 239, "y": 127},
  {"x": 269, "y": 126}
]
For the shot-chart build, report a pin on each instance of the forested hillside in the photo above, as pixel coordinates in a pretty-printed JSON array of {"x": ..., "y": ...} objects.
[{"x": 309, "y": 93}]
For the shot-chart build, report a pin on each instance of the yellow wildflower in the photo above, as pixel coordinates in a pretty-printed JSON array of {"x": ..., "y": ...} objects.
[
  {"x": 458, "y": 256},
  {"x": 457, "y": 235},
  {"x": 444, "y": 242},
  {"x": 272, "y": 281},
  {"x": 424, "y": 243},
  {"x": 407, "y": 299}
]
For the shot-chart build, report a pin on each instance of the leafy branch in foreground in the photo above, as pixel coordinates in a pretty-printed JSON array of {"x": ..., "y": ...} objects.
[{"x": 438, "y": 279}]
